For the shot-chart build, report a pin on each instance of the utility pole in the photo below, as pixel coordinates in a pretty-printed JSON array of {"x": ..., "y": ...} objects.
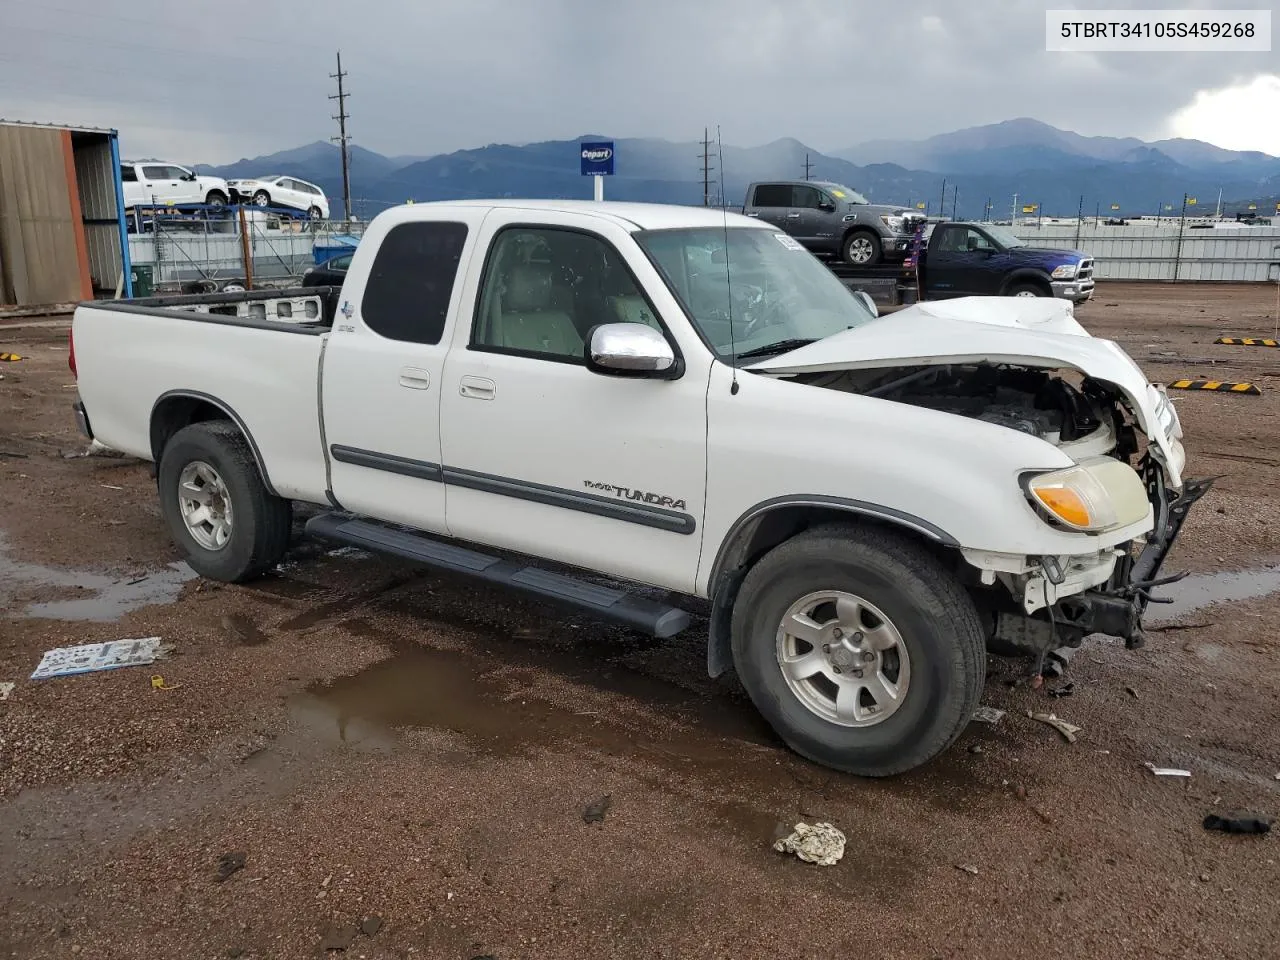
[
  {"x": 955, "y": 198},
  {"x": 808, "y": 168},
  {"x": 705, "y": 157},
  {"x": 1013, "y": 211},
  {"x": 942, "y": 207},
  {"x": 342, "y": 139}
]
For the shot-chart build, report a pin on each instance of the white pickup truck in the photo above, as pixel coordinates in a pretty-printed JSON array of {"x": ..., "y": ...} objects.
[{"x": 674, "y": 398}]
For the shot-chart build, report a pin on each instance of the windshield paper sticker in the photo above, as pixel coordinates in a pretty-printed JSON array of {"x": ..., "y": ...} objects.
[
  {"x": 788, "y": 242},
  {"x": 838, "y": 193}
]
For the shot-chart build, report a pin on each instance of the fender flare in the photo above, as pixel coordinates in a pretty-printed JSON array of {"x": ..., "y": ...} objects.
[
  {"x": 727, "y": 571},
  {"x": 231, "y": 415},
  {"x": 1025, "y": 273}
]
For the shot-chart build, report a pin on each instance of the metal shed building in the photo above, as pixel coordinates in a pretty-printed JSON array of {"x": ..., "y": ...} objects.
[{"x": 62, "y": 225}]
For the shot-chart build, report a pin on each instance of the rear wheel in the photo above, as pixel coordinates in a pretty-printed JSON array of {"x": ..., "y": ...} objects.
[
  {"x": 860, "y": 648},
  {"x": 861, "y": 248},
  {"x": 216, "y": 505},
  {"x": 315, "y": 213}
]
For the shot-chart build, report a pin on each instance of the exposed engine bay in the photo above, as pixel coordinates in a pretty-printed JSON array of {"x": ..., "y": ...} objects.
[{"x": 1041, "y": 403}]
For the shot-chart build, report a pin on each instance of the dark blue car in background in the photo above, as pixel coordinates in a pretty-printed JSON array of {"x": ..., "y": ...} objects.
[{"x": 983, "y": 259}]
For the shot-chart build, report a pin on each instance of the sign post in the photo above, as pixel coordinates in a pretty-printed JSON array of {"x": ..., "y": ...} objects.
[{"x": 597, "y": 163}]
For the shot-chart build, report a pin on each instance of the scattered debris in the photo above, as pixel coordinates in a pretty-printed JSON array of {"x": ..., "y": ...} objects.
[
  {"x": 12, "y": 454},
  {"x": 1167, "y": 771},
  {"x": 6, "y": 688},
  {"x": 370, "y": 925},
  {"x": 1205, "y": 878},
  {"x": 1057, "y": 661},
  {"x": 1068, "y": 730},
  {"x": 1020, "y": 792},
  {"x": 594, "y": 813},
  {"x": 1238, "y": 823},
  {"x": 967, "y": 868},
  {"x": 987, "y": 715},
  {"x": 91, "y": 657},
  {"x": 157, "y": 683},
  {"x": 229, "y": 864},
  {"x": 10, "y": 357},
  {"x": 976, "y": 748},
  {"x": 1131, "y": 691},
  {"x": 1065, "y": 690},
  {"x": 1043, "y": 815},
  {"x": 1170, "y": 627},
  {"x": 338, "y": 938},
  {"x": 820, "y": 843},
  {"x": 110, "y": 486}
]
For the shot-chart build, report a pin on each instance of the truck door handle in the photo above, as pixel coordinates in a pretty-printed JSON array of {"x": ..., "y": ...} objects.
[
  {"x": 414, "y": 378},
  {"x": 478, "y": 388},
  {"x": 753, "y": 214},
  {"x": 793, "y": 216}
]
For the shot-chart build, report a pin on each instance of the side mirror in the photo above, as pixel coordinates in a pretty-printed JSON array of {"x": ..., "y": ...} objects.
[
  {"x": 629, "y": 350},
  {"x": 867, "y": 302},
  {"x": 826, "y": 205}
]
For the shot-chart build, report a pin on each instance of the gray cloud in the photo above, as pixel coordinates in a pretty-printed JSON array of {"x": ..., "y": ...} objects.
[{"x": 214, "y": 82}]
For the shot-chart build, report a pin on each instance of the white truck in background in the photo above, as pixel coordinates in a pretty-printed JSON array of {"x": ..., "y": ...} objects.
[
  {"x": 161, "y": 183},
  {"x": 675, "y": 398}
]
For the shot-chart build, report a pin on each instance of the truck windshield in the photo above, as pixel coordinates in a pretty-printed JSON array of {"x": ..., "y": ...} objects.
[
  {"x": 1004, "y": 237},
  {"x": 844, "y": 194},
  {"x": 775, "y": 292}
]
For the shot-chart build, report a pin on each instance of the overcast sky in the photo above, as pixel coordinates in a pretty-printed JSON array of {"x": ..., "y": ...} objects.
[{"x": 212, "y": 82}]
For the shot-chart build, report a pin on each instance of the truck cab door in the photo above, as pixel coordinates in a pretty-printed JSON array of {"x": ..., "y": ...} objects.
[
  {"x": 772, "y": 204},
  {"x": 959, "y": 263},
  {"x": 382, "y": 368},
  {"x": 812, "y": 218},
  {"x": 546, "y": 457}
]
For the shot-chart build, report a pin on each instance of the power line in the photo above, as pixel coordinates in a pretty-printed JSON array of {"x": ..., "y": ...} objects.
[{"x": 342, "y": 139}]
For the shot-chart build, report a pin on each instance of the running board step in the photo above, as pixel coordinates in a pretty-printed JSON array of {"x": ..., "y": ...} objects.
[{"x": 657, "y": 619}]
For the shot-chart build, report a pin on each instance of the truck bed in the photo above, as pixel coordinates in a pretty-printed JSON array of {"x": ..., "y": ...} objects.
[{"x": 178, "y": 347}]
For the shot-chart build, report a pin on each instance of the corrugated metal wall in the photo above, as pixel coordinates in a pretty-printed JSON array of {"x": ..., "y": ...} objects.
[
  {"x": 39, "y": 259},
  {"x": 1145, "y": 252},
  {"x": 95, "y": 179}
]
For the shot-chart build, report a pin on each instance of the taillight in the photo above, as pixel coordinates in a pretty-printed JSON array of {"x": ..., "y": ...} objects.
[{"x": 71, "y": 353}]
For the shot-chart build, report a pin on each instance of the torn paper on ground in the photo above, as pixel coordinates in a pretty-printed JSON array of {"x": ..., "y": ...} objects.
[
  {"x": 6, "y": 688},
  {"x": 91, "y": 657},
  {"x": 820, "y": 843}
]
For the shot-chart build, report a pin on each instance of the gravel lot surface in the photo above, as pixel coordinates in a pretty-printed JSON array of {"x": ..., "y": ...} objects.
[{"x": 352, "y": 753}]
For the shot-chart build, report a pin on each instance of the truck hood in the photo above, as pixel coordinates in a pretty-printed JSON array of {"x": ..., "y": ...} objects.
[{"x": 1026, "y": 331}]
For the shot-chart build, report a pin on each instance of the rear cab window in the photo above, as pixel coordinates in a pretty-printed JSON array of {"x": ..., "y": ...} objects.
[
  {"x": 772, "y": 195},
  {"x": 410, "y": 284}
]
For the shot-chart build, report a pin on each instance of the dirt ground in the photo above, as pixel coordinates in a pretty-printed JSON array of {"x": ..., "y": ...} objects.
[{"x": 402, "y": 761}]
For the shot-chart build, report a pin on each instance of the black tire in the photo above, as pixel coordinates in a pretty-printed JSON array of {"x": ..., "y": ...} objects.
[
  {"x": 262, "y": 199},
  {"x": 216, "y": 199},
  {"x": 261, "y": 522},
  {"x": 935, "y": 617},
  {"x": 854, "y": 249},
  {"x": 314, "y": 213},
  {"x": 1026, "y": 290}
]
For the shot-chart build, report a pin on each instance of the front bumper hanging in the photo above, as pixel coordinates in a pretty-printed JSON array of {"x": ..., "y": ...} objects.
[{"x": 1116, "y": 608}]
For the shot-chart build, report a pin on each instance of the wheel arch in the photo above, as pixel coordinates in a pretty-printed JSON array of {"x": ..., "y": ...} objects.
[
  {"x": 768, "y": 524},
  {"x": 1027, "y": 275},
  {"x": 181, "y": 408}
]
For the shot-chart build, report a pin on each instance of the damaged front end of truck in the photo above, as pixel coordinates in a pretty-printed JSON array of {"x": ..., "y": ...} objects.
[{"x": 1029, "y": 367}]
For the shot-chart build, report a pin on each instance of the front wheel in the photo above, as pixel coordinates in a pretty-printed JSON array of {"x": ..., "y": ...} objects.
[
  {"x": 860, "y": 648},
  {"x": 1027, "y": 290},
  {"x": 216, "y": 505},
  {"x": 315, "y": 213},
  {"x": 861, "y": 249},
  {"x": 262, "y": 199},
  {"x": 216, "y": 200}
]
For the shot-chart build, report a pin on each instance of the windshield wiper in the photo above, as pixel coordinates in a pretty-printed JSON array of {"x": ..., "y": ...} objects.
[{"x": 782, "y": 346}]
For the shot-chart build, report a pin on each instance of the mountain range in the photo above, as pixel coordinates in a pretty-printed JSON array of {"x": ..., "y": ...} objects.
[{"x": 1043, "y": 165}]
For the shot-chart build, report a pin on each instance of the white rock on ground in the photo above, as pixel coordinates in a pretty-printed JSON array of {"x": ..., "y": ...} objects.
[{"x": 820, "y": 843}]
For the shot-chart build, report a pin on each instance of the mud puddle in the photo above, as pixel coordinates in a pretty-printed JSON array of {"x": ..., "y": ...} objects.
[
  {"x": 1205, "y": 589},
  {"x": 497, "y": 711},
  {"x": 104, "y": 598}
]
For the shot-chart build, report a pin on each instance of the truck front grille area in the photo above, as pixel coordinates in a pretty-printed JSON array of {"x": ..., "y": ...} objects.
[{"x": 1085, "y": 272}]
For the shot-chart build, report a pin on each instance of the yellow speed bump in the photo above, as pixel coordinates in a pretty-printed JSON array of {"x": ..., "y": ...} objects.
[
  {"x": 1248, "y": 341},
  {"x": 1248, "y": 388}
]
